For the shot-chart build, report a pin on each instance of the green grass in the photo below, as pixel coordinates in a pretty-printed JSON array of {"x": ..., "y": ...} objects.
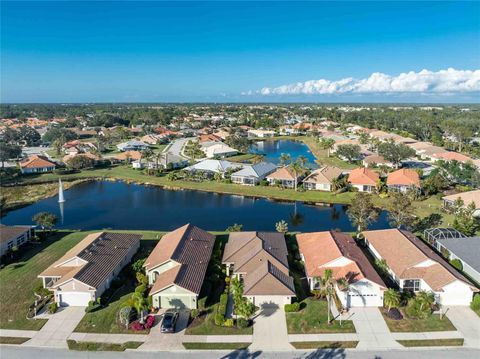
[
  {"x": 92, "y": 346},
  {"x": 13, "y": 340},
  {"x": 205, "y": 325},
  {"x": 247, "y": 157},
  {"x": 325, "y": 345},
  {"x": 19, "y": 279},
  {"x": 216, "y": 346},
  {"x": 312, "y": 319},
  {"x": 455, "y": 342},
  {"x": 431, "y": 324}
]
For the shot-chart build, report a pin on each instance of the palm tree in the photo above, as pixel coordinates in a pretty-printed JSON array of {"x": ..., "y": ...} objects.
[
  {"x": 297, "y": 167},
  {"x": 327, "y": 285},
  {"x": 139, "y": 303},
  {"x": 391, "y": 299},
  {"x": 426, "y": 299},
  {"x": 281, "y": 226},
  {"x": 284, "y": 159}
]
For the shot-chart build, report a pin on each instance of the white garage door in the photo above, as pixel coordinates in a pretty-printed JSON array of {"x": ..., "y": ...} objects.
[
  {"x": 75, "y": 299},
  {"x": 271, "y": 301},
  {"x": 364, "y": 300},
  {"x": 175, "y": 301}
]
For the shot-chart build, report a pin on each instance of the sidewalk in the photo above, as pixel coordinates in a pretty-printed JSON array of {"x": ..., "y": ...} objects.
[
  {"x": 18, "y": 333},
  {"x": 467, "y": 322}
]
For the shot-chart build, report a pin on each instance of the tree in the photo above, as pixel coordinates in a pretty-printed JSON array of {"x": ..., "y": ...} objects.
[
  {"x": 7, "y": 151},
  {"x": 79, "y": 162},
  {"x": 426, "y": 299},
  {"x": 339, "y": 183},
  {"x": 362, "y": 212},
  {"x": 395, "y": 152},
  {"x": 465, "y": 221},
  {"x": 284, "y": 159},
  {"x": 434, "y": 183},
  {"x": 55, "y": 133},
  {"x": 281, "y": 226},
  {"x": 327, "y": 285},
  {"x": 58, "y": 144},
  {"x": 139, "y": 303},
  {"x": 45, "y": 220},
  {"x": 137, "y": 266},
  {"x": 327, "y": 144},
  {"x": 298, "y": 167},
  {"x": 243, "y": 307},
  {"x": 391, "y": 299},
  {"x": 350, "y": 152},
  {"x": 242, "y": 144},
  {"x": 400, "y": 210},
  {"x": 28, "y": 135},
  {"x": 234, "y": 228}
]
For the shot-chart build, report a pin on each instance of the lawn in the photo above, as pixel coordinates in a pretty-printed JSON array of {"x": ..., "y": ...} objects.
[
  {"x": 246, "y": 157},
  {"x": 322, "y": 154},
  {"x": 324, "y": 345},
  {"x": 216, "y": 346},
  {"x": 456, "y": 342},
  {"x": 13, "y": 340},
  {"x": 312, "y": 319},
  {"x": 92, "y": 346},
  {"x": 19, "y": 279},
  {"x": 431, "y": 324},
  {"x": 205, "y": 325}
]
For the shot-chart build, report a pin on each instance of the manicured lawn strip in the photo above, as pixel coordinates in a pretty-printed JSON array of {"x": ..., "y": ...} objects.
[
  {"x": 205, "y": 325},
  {"x": 216, "y": 346},
  {"x": 432, "y": 324},
  {"x": 313, "y": 320},
  {"x": 247, "y": 157},
  {"x": 455, "y": 342},
  {"x": 13, "y": 340},
  {"x": 324, "y": 345},
  {"x": 19, "y": 279},
  {"x": 92, "y": 346}
]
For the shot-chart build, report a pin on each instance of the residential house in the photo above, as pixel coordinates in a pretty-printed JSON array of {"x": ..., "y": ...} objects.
[
  {"x": 321, "y": 179},
  {"x": 128, "y": 156},
  {"x": 364, "y": 179},
  {"x": 169, "y": 161},
  {"x": 214, "y": 166},
  {"x": 215, "y": 149},
  {"x": 403, "y": 180},
  {"x": 87, "y": 270},
  {"x": 208, "y": 138},
  {"x": 14, "y": 236},
  {"x": 415, "y": 267},
  {"x": 259, "y": 260},
  {"x": 251, "y": 175},
  {"x": 285, "y": 177},
  {"x": 448, "y": 156},
  {"x": 339, "y": 253},
  {"x": 374, "y": 160},
  {"x": 466, "y": 250},
  {"x": 222, "y": 134},
  {"x": 133, "y": 145},
  {"x": 466, "y": 197},
  {"x": 36, "y": 164},
  {"x": 177, "y": 265},
  {"x": 260, "y": 133},
  {"x": 153, "y": 139}
]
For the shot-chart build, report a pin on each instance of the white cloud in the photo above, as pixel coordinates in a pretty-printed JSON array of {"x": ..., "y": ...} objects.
[{"x": 425, "y": 81}]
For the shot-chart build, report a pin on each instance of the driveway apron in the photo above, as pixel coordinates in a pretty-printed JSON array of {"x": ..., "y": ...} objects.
[{"x": 270, "y": 330}]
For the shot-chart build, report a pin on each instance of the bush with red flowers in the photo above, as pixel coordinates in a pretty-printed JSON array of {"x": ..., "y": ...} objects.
[
  {"x": 149, "y": 322},
  {"x": 137, "y": 326}
]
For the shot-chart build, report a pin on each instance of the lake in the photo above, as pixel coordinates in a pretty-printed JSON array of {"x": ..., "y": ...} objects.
[
  {"x": 272, "y": 149},
  {"x": 118, "y": 205}
]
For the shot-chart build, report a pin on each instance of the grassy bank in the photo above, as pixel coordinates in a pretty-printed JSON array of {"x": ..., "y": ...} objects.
[
  {"x": 325, "y": 345},
  {"x": 456, "y": 342},
  {"x": 92, "y": 346},
  {"x": 216, "y": 346},
  {"x": 13, "y": 340}
]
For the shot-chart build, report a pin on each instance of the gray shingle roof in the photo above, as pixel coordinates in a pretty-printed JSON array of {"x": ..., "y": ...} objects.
[
  {"x": 257, "y": 170},
  {"x": 467, "y": 249},
  {"x": 11, "y": 232}
]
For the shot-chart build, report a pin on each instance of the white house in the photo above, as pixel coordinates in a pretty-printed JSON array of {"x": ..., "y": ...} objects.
[
  {"x": 250, "y": 175},
  {"x": 14, "y": 236}
]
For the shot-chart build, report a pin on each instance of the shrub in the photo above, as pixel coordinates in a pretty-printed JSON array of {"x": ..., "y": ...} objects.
[
  {"x": 294, "y": 307},
  {"x": 141, "y": 278},
  {"x": 137, "y": 326},
  {"x": 228, "y": 322},
  {"x": 219, "y": 319},
  {"x": 413, "y": 310},
  {"x": 227, "y": 280},
  {"x": 457, "y": 264},
  {"x": 92, "y": 306},
  {"x": 149, "y": 322},
  {"x": 142, "y": 288},
  {"x": 242, "y": 323},
  {"x": 194, "y": 313},
  {"x": 202, "y": 303},
  {"x": 52, "y": 308},
  {"x": 475, "y": 305}
]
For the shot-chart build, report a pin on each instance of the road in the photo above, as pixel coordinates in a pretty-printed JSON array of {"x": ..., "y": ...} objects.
[{"x": 18, "y": 352}]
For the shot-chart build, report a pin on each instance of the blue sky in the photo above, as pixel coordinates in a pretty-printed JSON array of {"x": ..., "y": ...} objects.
[{"x": 229, "y": 51}]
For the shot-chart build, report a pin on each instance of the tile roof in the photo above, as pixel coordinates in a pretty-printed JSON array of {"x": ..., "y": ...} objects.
[
  {"x": 11, "y": 232},
  {"x": 268, "y": 279},
  {"x": 403, "y": 253},
  {"x": 324, "y": 175},
  {"x": 451, "y": 156},
  {"x": 100, "y": 254},
  {"x": 321, "y": 248},
  {"x": 467, "y": 197},
  {"x": 364, "y": 176},
  {"x": 36, "y": 161},
  {"x": 283, "y": 173},
  {"x": 404, "y": 177},
  {"x": 190, "y": 248},
  {"x": 133, "y": 155}
]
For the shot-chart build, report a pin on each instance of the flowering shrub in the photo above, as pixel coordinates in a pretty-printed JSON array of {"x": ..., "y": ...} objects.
[
  {"x": 149, "y": 322},
  {"x": 137, "y": 326}
]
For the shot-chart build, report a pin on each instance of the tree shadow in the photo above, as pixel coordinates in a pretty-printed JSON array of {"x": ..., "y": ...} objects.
[
  {"x": 332, "y": 353},
  {"x": 242, "y": 354}
]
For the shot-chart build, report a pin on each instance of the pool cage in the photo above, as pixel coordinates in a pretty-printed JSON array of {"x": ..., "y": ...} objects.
[{"x": 434, "y": 234}]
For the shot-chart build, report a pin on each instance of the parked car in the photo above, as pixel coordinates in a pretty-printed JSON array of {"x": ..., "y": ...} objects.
[{"x": 169, "y": 321}]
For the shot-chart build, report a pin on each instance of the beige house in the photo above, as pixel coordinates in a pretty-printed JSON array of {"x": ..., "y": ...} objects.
[
  {"x": 259, "y": 260},
  {"x": 87, "y": 270},
  {"x": 467, "y": 198},
  {"x": 321, "y": 179},
  {"x": 14, "y": 236},
  {"x": 177, "y": 265}
]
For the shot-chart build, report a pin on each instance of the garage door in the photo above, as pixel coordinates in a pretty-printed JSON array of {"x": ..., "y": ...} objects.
[
  {"x": 364, "y": 300},
  {"x": 75, "y": 299},
  {"x": 271, "y": 301},
  {"x": 175, "y": 301}
]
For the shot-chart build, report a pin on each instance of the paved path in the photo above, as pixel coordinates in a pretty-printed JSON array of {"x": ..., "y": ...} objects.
[
  {"x": 467, "y": 322},
  {"x": 18, "y": 333},
  {"x": 58, "y": 328},
  {"x": 373, "y": 332},
  {"x": 270, "y": 330},
  {"x": 166, "y": 341}
]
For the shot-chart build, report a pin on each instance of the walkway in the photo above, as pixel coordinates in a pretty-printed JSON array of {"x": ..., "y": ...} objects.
[
  {"x": 467, "y": 322},
  {"x": 58, "y": 328},
  {"x": 270, "y": 330}
]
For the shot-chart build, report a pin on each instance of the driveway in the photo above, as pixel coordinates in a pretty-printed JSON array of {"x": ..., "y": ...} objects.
[
  {"x": 467, "y": 323},
  {"x": 177, "y": 145},
  {"x": 58, "y": 328},
  {"x": 166, "y": 341},
  {"x": 270, "y": 330},
  {"x": 371, "y": 328}
]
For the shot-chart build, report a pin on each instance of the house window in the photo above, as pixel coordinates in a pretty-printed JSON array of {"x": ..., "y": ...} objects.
[
  {"x": 10, "y": 245},
  {"x": 411, "y": 284}
]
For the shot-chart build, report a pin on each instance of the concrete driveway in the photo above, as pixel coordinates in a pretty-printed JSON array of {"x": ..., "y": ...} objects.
[
  {"x": 270, "y": 330},
  {"x": 58, "y": 328},
  {"x": 467, "y": 322},
  {"x": 166, "y": 341}
]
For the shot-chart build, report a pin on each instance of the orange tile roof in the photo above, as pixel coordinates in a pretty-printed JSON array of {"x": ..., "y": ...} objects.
[
  {"x": 283, "y": 173},
  {"x": 364, "y": 176},
  {"x": 452, "y": 156},
  {"x": 36, "y": 161},
  {"x": 404, "y": 177},
  {"x": 133, "y": 155}
]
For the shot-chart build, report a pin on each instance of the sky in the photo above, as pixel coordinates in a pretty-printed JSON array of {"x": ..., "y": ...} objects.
[{"x": 240, "y": 51}]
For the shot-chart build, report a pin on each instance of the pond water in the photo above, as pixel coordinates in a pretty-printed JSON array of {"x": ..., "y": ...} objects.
[
  {"x": 272, "y": 149},
  {"x": 118, "y": 205}
]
